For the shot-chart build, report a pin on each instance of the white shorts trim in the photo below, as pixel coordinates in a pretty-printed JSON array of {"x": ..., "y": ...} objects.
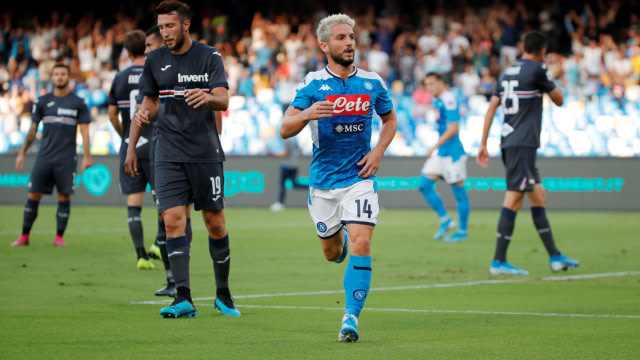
[
  {"x": 443, "y": 166},
  {"x": 330, "y": 209}
]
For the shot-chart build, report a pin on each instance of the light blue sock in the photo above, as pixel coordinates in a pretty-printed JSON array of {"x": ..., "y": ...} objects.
[
  {"x": 427, "y": 187},
  {"x": 464, "y": 207},
  {"x": 357, "y": 280}
]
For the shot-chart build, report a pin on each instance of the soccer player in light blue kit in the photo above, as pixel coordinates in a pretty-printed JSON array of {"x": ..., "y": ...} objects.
[
  {"x": 448, "y": 164},
  {"x": 338, "y": 103}
]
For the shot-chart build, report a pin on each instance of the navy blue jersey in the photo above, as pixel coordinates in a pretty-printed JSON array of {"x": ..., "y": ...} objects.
[
  {"x": 184, "y": 134},
  {"x": 520, "y": 88},
  {"x": 124, "y": 93},
  {"x": 60, "y": 117},
  {"x": 342, "y": 140}
]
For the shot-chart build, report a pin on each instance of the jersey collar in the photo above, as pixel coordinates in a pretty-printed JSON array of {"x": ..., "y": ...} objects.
[{"x": 355, "y": 70}]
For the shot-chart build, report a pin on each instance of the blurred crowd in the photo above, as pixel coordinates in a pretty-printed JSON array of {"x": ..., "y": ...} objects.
[{"x": 594, "y": 51}]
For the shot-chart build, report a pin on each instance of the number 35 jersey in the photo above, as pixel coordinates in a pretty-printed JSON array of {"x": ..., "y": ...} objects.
[
  {"x": 520, "y": 88},
  {"x": 343, "y": 139}
]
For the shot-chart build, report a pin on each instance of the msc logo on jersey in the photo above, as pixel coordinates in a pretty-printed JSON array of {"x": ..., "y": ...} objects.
[
  {"x": 348, "y": 128},
  {"x": 359, "y": 295},
  {"x": 322, "y": 227},
  {"x": 356, "y": 104}
]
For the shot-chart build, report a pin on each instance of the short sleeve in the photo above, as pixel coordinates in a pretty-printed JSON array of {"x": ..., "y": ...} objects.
[
  {"x": 148, "y": 85},
  {"x": 544, "y": 79},
  {"x": 303, "y": 99},
  {"x": 217, "y": 75}
]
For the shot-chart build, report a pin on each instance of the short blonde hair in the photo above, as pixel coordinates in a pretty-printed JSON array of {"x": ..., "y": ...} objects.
[{"x": 325, "y": 25}]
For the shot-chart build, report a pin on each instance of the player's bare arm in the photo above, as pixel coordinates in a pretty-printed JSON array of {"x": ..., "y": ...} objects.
[
  {"x": 31, "y": 135},
  {"x": 218, "y": 116},
  {"x": 114, "y": 111},
  {"x": 295, "y": 119},
  {"x": 483, "y": 154},
  {"x": 371, "y": 162},
  {"x": 142, "y": 118},
  {"x": 452, "y": 130},
  {"x": 556, "y": 96},
  {"x": 86, "y": 147},
  {"x": 217, "y": 99},
  {"x": 147, "y": 111}
]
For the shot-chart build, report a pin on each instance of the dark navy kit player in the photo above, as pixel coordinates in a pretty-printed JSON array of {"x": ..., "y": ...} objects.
[
  {"x": 183, "y": 84},
  {"x": 61, "y": 112},
  {"x": 519, "y": 91},
  {"x": 122, "y": 104}
]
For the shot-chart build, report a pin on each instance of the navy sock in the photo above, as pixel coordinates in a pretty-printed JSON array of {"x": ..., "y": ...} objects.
[
  {"x": 541, "y": 222},
  {"x": 221, "y": 257},
  {"x": 188, "y": 231},
  {"x": 161, "y": 242},
  {"x": 135, "y": 229},
  {"x": 505, "y": 230},
  {"x": 62, "y": 216},
  {"x": 178, "y": 251},
  {"x": 30, "y": 215}
]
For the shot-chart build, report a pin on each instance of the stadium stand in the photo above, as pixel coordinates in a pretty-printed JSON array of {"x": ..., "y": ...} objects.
[{"x": 594, "y": 56}]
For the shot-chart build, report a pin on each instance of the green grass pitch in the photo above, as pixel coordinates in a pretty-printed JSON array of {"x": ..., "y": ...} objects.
[{"x": 429, "y": 299}]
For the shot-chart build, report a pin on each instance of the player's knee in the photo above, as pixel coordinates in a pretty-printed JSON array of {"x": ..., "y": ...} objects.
[
  {"x": 332, "y": 254},
  {"x": 426, "y": 184},
  {"x": 215, "y": 225}
]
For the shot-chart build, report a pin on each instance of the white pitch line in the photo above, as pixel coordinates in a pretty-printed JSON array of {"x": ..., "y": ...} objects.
[
  {"x": 327, "y": 292},
  {"x": 411, "y": 287},
  {"x": 590, "y": 276},
  {"x": 520, "y": 313}
]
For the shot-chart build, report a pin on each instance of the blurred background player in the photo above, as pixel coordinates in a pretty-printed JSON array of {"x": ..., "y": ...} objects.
[
  {"x": 338, "y": 102},
  {"x": 122, "y": 100},
  {"x": 288, "y": 171},
  {"x": 185, "y": 82},
  {"x": 447, "y": 161},
  {"x": 519, "y": 90},
  {"x": 61, "y": 113}
]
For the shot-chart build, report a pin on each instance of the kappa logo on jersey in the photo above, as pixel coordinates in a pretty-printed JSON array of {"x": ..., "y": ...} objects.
[
  {"x": 348, "y": 128},
  {"x": 165, "y": 68},
  {"x": 216, "y": 53},
  {"x": 51, "y": 103},
  {"x": 355, "y": 104},
  {"x": 325, "y": 87}
]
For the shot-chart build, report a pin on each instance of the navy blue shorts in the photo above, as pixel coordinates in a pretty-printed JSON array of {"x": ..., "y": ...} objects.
[
  {"x": 522, "y": 173},
  {"x": 135, "y": 184},
  {"x": 46, "y": 174},
  {"x": 178, "y": 184}
]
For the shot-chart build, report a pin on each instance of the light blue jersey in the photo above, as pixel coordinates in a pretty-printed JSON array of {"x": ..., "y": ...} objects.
[
  {"x": 446, "y": 107},
  {"x": 342, "y": 140}
]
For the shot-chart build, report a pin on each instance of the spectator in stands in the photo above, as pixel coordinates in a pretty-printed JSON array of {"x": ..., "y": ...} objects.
[{"x": 468, "y": 81}]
